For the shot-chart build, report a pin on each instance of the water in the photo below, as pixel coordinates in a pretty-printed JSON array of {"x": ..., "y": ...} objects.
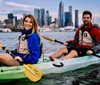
[{"x": 84, "y": 76}]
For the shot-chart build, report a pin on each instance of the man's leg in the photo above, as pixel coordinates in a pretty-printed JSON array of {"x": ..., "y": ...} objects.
[
  {"x": 72, "y": 54},
  {"x": 58, "y": 53}
]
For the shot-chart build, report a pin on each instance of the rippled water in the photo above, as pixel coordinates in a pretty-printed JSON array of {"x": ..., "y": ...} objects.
[{"x": 84, "y": 76}]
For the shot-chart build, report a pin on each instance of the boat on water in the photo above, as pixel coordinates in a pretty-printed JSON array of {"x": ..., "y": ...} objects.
[
  {"x": 47, "y": 67},
  {"x": 5, "y": 30}
]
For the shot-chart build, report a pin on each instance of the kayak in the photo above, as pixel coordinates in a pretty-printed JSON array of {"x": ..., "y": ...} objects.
[{"x": 47, "y": 67}]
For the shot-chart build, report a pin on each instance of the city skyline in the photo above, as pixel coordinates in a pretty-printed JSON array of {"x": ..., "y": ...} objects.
[{"x": 19, "y": 7}]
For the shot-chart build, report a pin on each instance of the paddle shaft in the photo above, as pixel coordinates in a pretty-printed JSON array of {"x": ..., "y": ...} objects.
[
  {"x": 58, "y": 41},
  {"x": 9, "y": 52},
  {"x": 52, "y": 40}
]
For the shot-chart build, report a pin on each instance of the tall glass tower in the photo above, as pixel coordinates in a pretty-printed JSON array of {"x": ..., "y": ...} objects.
[
  {"x": 70, "y": 10},
  {"x": 67, "y": 19},
  {"x": 61, "y": 14},
  {"x": 37, "y": 15},
  {"x": 42, "y": 16},
  {"x": 10, "y": 16},
  {"x": 47, "y": 14},
  {"x": 76, "y": 19}
]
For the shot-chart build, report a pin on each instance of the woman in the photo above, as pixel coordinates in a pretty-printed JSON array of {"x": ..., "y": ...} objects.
[{"x": 29, "y": 45}]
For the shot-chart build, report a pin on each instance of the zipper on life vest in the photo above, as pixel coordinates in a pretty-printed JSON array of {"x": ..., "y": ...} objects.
[
  {"x": 18, "y": 45},
  {"x": 82, "y": 38}
]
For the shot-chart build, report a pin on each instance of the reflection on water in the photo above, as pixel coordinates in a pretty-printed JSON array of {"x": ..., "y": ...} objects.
[{"x": 84, "y": 76}]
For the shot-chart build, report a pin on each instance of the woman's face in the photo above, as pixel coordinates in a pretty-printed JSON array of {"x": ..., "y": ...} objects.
[{"x": 27, "y": 23}]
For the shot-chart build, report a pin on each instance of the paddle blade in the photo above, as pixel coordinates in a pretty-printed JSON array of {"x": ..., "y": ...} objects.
[
  {"x": 47, "y": 38},
  {"x": 1, "y": 45},
  {"x": 32, "y": 72}
]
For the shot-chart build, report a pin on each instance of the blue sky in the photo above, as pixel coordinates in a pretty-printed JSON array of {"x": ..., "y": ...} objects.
[{"x": 18, "y": 7}]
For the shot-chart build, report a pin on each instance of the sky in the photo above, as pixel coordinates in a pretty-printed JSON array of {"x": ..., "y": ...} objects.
[{"x": 18, "y": 7}]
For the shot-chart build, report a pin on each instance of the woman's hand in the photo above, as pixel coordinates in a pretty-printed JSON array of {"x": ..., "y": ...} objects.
[
  {"x": 7, "y": 49},
  {"x": 18, "y": 58}
]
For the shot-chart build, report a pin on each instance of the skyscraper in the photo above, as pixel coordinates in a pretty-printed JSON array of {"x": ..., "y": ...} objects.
[
  {"x": 70, "y": 10},
  {"x": 15, "y": 21},
  {"x": 67, "y": 19},
  {"x": 10, "y": 16},
  {"x": 76, "y": 19},
  {"x": 42, "y": 16},
  {"x": 61, "y": 14},
  {"x": 47, "y": 15},
  {"x": 50, "y": 20},
  {"x": 37, "y": 15}
]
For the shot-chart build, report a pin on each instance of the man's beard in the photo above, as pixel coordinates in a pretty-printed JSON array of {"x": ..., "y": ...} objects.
[{"x": 86, "y": 23}]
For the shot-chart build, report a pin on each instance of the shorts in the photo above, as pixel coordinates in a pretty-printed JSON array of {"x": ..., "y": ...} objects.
[{"x": 81, "y": 52}]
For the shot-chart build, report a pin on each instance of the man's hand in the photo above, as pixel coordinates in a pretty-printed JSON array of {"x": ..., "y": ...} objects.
[
  {"x": 65, "y": 43},
  {"x": 89, "y": 52}
]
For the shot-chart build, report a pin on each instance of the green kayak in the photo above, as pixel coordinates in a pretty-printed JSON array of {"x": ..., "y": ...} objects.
[{"x": 47, "y": 67}]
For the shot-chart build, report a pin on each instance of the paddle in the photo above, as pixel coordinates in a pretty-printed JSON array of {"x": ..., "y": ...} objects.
[
  {"x": 54, "y": 40},
  {"x": 31, "y": 71}
]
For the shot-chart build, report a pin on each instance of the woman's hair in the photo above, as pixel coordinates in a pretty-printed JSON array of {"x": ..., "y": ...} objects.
[{"x": 34, "y": 24}]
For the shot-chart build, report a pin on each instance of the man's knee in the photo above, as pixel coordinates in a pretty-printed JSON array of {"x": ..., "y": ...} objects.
[
  {"x": 74, "y": 52},
  {"x": 64, "y": 50}
]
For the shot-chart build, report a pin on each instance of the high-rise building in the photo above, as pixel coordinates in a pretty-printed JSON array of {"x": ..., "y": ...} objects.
[
  {"x": 61, "y": 14},
  {"x": 50, "y": 20},
  {"x": 68, "y": 19},
  {"x": 70, "y": 10},
  {"x": 76, "y": 19},
  {"x": 20, "y": 23},
  {"x": 47, "y": 16},
  {"x": 10, "y": 16},
  {"x": 37, "y": 15},
  {"x": 42, "y": 16},
  {"x": 45, "y": 20},
  {"x": 15, "y": 21}
]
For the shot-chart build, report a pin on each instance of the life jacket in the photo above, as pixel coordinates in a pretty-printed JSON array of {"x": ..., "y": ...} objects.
[
  {"x": 23, "y": 45},
  {"x": 85, "y": 38}
]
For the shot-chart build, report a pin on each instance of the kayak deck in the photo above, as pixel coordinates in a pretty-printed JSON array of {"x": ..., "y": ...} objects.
[{"x": 58, "y": 66}]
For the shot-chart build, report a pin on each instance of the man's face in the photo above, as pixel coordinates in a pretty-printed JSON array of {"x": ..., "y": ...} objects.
[{"x": 86, "y": 19}]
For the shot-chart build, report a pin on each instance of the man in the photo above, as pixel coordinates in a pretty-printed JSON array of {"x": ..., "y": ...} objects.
[{"x": 86, "y": 40}]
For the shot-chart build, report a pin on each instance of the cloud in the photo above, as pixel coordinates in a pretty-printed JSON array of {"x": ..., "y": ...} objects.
[
  {"x": 20, "y": 5},
  {"x": 4, "y": 12},
  {"x": 20, "y": 12}
]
